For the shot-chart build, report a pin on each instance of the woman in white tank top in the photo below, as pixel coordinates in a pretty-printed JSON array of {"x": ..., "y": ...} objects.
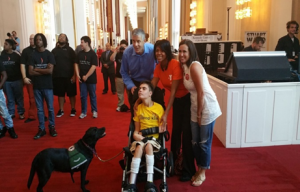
[{"x": 204, "y": 107}]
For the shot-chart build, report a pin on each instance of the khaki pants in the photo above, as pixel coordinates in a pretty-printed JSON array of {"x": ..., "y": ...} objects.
[
  {"x": 156, "y": 146},
  {"x": 120, "y": 91}
]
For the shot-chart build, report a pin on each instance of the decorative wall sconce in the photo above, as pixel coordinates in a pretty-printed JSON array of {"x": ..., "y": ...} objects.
[
  {"x": 87, "y": 9},
  {"x": 166, "y": 30},
  {"x": 92, "y": 31},
  {"x": 161, "y": 33},
  {"x": 243, "y": 10},
  {"x": 101, "y": 34},
  {"x": 193, "y": 15}
]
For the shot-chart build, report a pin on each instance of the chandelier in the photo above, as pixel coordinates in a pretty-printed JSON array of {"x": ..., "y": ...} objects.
[{"x": 243, "y": 9}]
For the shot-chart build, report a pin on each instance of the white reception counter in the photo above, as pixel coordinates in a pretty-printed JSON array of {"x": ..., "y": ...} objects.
[{"x": 257, "y": 114}]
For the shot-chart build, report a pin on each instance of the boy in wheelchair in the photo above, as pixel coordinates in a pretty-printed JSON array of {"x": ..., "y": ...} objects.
[{"x": 147, "y": 117}]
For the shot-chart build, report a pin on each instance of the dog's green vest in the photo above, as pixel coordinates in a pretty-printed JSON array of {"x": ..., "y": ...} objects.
[{"x": 76, "y": 158}]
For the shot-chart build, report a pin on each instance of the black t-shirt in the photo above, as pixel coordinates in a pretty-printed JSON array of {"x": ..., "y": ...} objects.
[
  {"x": 11, "y": 63},
  {"x": 26, "y": 58},
  {"x": 249, "y": 48},
  {"x": 118, "y": 60},
  {"x": 85, "y": 60},
  {"x": 65, "y": 58},
  {"x": 40, "y": 60}
]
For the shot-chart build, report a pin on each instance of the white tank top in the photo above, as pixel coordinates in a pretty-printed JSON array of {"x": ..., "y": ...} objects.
[{"x": 211, "y": 109}]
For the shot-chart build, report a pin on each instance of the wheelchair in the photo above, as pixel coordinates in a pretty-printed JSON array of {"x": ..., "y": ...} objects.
[
  {"x": 163, "y": 166},
  {"x": 163, "y": 160}
]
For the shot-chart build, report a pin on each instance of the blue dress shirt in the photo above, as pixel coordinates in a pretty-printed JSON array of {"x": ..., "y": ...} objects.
[{"x": 137, "y": 67}]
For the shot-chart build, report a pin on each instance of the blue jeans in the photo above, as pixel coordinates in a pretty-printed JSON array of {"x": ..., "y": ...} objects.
[
  {"x": 4, "y": 112},
  {"x": 201, "y": 141},
  {"x": 296, "y": 73},
  {"x": 85, "y": 89},
  {"x": 14, "y": 93},
  {"x": 40, "y": 95}
]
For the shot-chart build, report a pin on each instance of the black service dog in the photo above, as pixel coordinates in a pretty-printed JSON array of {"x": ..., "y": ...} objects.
[{"x": 57, "y": 159}]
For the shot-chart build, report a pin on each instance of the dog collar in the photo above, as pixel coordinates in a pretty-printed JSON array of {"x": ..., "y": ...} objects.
[{"x": 93, "y": 150}]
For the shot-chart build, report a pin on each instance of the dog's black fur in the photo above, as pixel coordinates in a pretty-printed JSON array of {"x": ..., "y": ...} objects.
[{"x": 53, "y": 159}]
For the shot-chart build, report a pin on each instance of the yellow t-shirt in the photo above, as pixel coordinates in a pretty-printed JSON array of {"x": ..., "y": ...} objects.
[{"x": 149, "y": 116}]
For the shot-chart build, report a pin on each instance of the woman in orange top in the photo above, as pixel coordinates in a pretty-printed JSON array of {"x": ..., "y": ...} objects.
[{"x": 169, "y": 72}]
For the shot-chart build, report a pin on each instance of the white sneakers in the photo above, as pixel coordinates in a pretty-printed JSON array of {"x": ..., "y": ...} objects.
[
  {"x": 95, "y": 114},
  {"x": 82, "y": 115},
  {"x": 118, "y": 108}
]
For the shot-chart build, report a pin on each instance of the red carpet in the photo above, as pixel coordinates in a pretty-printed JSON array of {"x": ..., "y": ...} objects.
[{"x": 251, "y": 169}]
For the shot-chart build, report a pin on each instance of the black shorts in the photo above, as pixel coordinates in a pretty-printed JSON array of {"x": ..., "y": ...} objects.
[{"x": 63, "y": 85}]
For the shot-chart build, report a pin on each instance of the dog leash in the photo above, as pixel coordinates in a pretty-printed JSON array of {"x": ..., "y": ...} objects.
[
  {"x": 96, "y": 155},
  {"x": 108, "y": 159}
]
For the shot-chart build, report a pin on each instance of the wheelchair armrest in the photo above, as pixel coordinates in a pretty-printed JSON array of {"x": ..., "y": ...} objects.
[
  {"x": 154, "y": 130},
  {"x": 150, "y": 131}
]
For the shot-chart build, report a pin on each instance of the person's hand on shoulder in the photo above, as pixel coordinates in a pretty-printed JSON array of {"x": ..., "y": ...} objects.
[{"x": 132, "y": 89}]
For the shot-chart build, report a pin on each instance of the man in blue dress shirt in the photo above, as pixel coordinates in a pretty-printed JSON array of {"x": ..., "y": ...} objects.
[{"x": 138, "y": 64}]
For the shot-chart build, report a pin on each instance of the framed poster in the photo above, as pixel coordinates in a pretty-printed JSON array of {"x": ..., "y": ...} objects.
[{"x": 250, "y": 35}]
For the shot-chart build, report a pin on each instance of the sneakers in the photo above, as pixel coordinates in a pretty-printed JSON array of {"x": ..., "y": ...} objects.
[
  {"x": 22, "y": 116},
  {"x": 73, "y": 113},
  {"x": 95, "y": 114},
  {"x": 82, "y": 115},
  {"x": 2, "y": 132},
  {"x": 118, "y": 109},
  {"x": 40, "y": 134},
  {"x": 131, "y": 188},
  {"x": 52, "y": 131},
  {"x": 12, "y": 116},
  {"x": 28, "y": 120},
  {"x": 60, "y": 113},
  {"x": 12, "y": 133}
]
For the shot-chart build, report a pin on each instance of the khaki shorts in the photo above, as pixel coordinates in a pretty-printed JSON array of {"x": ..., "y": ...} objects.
[{"x": 156, "y": 146}]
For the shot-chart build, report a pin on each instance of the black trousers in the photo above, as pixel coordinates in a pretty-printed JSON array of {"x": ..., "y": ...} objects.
[
  {"x": 112, "y": 81},
  {"x": 181, "y": 133},
  {"x": 99, "y": 62}
]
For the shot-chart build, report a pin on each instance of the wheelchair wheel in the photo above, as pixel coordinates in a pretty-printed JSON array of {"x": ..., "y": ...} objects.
[{"x": 170, "y": 165}]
